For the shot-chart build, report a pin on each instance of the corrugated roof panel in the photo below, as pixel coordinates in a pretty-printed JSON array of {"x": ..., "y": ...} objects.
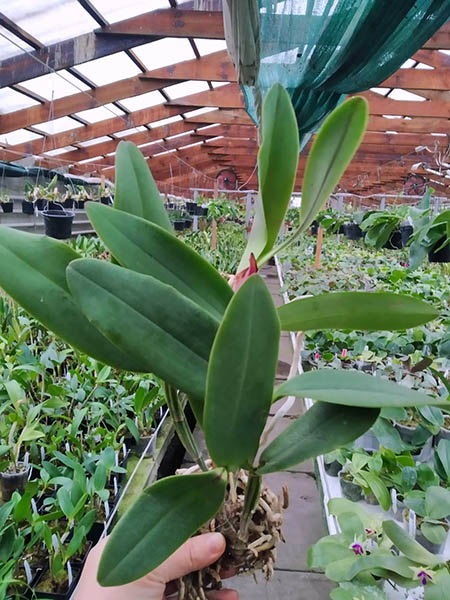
[
  {"x": 19, "y": 136},
  {"x": 10, "y": 45},
  {"x": 10, "y": 100},
  {"x": 55, "y": 85},
  {"x": 58, "y": 125},
  {"x": 162, "y": 53},
  {"x": 50, "y": 21},
  {"x": 143, "y": 101},
  {"x": 93, "y": 115},
  {"x": 109, "y": 68}
]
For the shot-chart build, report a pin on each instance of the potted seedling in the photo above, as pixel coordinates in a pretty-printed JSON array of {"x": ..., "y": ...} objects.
[
  {"x": 431, "y": 236},
  {"x": 334, "y": 461},
  {"x": 146, "y": 403},
  {"x": 29, "y": 201},
  {"x": 387, "y": 228},
  {"x": 365, "y": 473},
  {"x": 170, "y": 313},
  {"x": 432, "y": 508},
  {"x": 69, "y": 196},
  {"x": 24, "y": 428},
  {"x": 6, "y": 204},
  {"x": 81, "y": 196},
  {"x": 369, "y": 556}
]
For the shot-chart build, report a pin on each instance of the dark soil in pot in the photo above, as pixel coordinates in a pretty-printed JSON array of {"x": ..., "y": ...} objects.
[
  {"x": 58, "y": 224},
  {"x": 52, "y": 590},
  {"x": 353, "y": 231},
  {"x": 350, "y": 490},
  {"x": 27, "y": 207},
  {"x": 7, "y": 207},
  {"x": 11, "y": 480},
  {"x": 440, "y": 256}
]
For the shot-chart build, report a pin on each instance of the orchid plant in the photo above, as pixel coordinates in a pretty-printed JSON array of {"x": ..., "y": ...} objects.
[{"x": 160, "y": 308}]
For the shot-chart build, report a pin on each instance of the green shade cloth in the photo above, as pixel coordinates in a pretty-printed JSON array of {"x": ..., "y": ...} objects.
[{"x": 321, "y": 50}]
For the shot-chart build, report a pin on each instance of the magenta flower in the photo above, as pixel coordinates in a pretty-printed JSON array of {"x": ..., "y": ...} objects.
[
  {"x": 357, "y": 547},
  {"x": 423, "y": 574},
  {"x": 344, "y": 353},
  {"x": 317, "y": 356}
]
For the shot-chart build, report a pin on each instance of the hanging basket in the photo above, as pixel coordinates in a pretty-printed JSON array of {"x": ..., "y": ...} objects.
[
  {"x": 7, "y": 207},
  {"x": 353, "y": 231},
  {"x": 58, "y": 223},
  {"x": 27, "y": 207}
]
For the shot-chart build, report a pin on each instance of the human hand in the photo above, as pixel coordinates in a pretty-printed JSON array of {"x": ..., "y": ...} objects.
[{"x": 198, "y": 552}]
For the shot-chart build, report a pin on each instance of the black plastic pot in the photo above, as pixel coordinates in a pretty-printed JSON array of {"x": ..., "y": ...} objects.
[
  {"x": 66, "y": 595},
  {"x": 406, "y": 232},
  {"x": 395, "y": 241},
  {"x": 314, "y": 228},
  {"x": 142, "y": 445},
  {"x": 7, "y": 207},
  {"x": 10, "y": 482},
  {"x": 95, "y": 532},
  {"x": 191, "y": 207},
  {"x": 187, "y": 223},
  {"x": 350, "y": 490},
  {"x": 353, "y": 231},
  {"x": 441, "y": 256},
  {"x": 341, "y": 229},
  {"x": 333, "y": 468},
  {"x": 27, "y": 207},
  {"x": 171, "y": 205},
  {"x": 58, "y": 224},
  {"x": 69, "y": 202},
  {"x": 178, "y": 225},
  {"x": 80, "y": 203},
  {"x": 105, "y": 200},
  {"x": 40, "y": 203}
]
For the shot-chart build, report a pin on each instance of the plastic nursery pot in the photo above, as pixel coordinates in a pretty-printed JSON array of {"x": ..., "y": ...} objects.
[
  {"x": 406, "y": 232},
  {"x": 58, "y": 224},
  {"x": 440, "y": 256},
  {"x": 40, "y": 203},
  {"x": 444, "y": 434},
  {"x": 341, "y": 229},
  {"x": 395, "y": 241},
  {"x": 10, "y": 482},
  {"x": 69, "y": 202},
  {"x": 406, "y": 432},
  {"x": 333, "y": 468},
  {"x": 178, "y": 225},
  {"x": 27, "y": 207},
  {"x": 171, "y": 205},
  {"x": 353, "y": 231},
  {"x": 371, "y": 499},
  {"x": 63, "y": 594},
  {"x": 54, "y": 206},
  {"x": 7, "y": 207},
  {"x": 350, "y": 490},
  {"x": 190, "y": 207},
  {"x": 187, "y": 223},
  {"x": 142, "y": 445},
  {"x": 367, "y": 441},
  {"x": 105, "y": 200},
  {"x": 80, "y": 203}
]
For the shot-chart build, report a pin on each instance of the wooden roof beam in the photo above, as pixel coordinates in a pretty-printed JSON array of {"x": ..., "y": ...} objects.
[{"x": 114, "y": 38}]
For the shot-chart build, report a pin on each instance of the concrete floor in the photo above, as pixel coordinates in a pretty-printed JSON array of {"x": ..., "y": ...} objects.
[{"x": 304, "y": 522}]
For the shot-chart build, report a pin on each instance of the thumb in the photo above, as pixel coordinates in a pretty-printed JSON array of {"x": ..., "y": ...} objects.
[{"x": 198, "y": 552}]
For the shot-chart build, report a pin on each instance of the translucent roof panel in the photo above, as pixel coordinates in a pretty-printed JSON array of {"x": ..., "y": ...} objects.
[
  {"x": 161, "y": 53},
  {"x": 10, "y": 100},
  {"x": 171, "y": 137},
  {"x": 18, "y": 137},
  {"x": 424, "y": 67},
  {"x": 93, "y": 115},
  {"x": 96, "y": 159},
  {"x": 165, "y": 121},
  {"x": 129, "y": 131},
  {"x": 55, "y": 85},
  {"x": 186, "y": 88},
  {"x": 405, "y": 95},
  {"x": 98, "y": 140},
  {"x": 60, "y": 151},
  {"x": 210, "y": 46},
  {"x": 379, "y": 90},
  {"x": 118, "y": 11},
  {"x": 109, "y": 68},
  {"x": 58, "y": 125},
  {"x": 143, "y": 101},
  {"x": 199, "y": 111},
  {"x": 10, "y": 45},
  {"x": 408, "y": 64},
  {"x": 50, "y": 21}
]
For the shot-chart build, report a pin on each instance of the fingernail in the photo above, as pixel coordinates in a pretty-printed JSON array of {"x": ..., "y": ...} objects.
[{"x": 216, "y": 543}]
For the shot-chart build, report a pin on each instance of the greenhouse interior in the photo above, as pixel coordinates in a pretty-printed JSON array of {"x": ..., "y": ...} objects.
[{"x": 224, "y": 299}]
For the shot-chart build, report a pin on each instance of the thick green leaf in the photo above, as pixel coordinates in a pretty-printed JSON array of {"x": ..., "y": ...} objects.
[
  {"x": 277, "y": 159},
  {"x": 368, "y": 311},
  {"x": 379, "y": 560},
  {"x": 33, "y": 272},
  {"x": 354, "y": 591},
  {"x": 440, "y": 587},
  {"x": 146, "y": 248},
  {"x": 150, "y": 321},
  {"x": 352, "y": 388},
  {"x": 136, "y": 191},
  {"x": 257, "y": 237},
  {"x": 323, "y": 428},
  {"x": 408, "y": 546},
  {"x": 434, "y": 533},
  {"x": 378, "y": 488},
  {"x": 437, "y": 502},
  {"x": 163, "y": 517},
  {"x": 241, "y": 373},
  {"x": 332, "y": 150}
]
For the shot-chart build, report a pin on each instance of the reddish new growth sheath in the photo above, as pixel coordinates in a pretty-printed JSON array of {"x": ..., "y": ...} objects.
[{"x": 240, "y": 278}]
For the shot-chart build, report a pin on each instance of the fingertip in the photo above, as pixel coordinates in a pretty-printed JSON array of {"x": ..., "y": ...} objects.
[
  {"x": 223, "y": 595},
  {"x": 216, "y": 543}
]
